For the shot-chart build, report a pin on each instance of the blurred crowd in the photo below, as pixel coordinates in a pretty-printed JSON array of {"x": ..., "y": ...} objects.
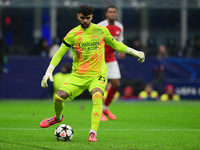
[
  {"x": 41, "y": 47},
  {"x": 171, "y": 49},
  {"x": 149, "y": 93}
]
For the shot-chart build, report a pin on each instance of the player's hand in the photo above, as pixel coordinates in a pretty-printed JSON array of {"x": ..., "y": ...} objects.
[
  {"x": 48, "y": 75},
  {"x": 45, "y": 78},
  {"x": 141, "y": 56},
  {"x": 138, "y": 54}
]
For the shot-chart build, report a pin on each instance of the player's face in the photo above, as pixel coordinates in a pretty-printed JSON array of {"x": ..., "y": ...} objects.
[
  {"x": 84, "y": 20},
  {"x": 111, "y": 14}
]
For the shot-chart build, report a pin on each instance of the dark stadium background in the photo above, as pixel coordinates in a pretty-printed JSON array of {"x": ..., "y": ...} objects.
[{"x": 174, "y": 24}]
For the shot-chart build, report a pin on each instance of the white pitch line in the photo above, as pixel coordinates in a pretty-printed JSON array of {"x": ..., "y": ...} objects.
[{"x": 156, "y": 130}]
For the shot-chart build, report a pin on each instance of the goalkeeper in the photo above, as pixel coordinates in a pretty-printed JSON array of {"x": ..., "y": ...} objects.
[{"x": 89, "y": 68}]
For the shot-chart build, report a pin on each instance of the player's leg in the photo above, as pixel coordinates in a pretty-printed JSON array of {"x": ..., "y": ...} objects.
[
  {"x": 97, "y": 88},
  {"x": 96, "y": 113},
  {"x": 69, "y": 89},
  {"x": 113, "y": 74},
  {"x": 59, "y": 103},
  {"x": 58, "y": 106},
  {"x": 115, "y": 83}
]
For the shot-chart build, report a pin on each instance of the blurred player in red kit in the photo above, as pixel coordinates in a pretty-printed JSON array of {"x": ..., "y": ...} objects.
[{"x": 113, "y": 72}]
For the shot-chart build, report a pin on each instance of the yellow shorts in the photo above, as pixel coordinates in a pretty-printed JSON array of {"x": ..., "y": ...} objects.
[{"x": 75, "y": 85}]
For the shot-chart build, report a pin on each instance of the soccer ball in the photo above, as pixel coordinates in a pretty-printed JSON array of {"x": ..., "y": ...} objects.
[{"x": 64, "y": 132}]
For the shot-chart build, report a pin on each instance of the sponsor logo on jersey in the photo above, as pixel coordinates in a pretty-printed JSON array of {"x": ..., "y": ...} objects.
[{"x": 89, "y": 45}]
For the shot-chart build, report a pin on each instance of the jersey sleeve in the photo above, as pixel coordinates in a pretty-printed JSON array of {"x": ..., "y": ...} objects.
[
  {"x": 113, "y": 43},
  {"x": 65, "y": 46},
  {"x": 59, "y": 54}
]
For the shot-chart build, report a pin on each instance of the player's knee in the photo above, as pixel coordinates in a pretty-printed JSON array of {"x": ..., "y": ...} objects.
[
  {"x": 58, "y": 99},
  {"x": 62, "y": 94},
  {"x": 95, "y": 90}
]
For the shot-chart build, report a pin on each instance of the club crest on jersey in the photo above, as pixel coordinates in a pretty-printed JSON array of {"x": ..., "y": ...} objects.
[{"x": 79, "y": 39}]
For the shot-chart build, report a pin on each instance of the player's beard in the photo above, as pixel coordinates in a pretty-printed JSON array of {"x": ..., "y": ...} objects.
[{"x": 85, "y": 25}]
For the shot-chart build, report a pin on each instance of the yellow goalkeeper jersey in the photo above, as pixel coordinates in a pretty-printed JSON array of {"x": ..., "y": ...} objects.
[{"x": 88, "y": 49}]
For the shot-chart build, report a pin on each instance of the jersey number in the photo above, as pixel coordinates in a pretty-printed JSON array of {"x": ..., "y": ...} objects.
[{"x": 101, "y": 78}]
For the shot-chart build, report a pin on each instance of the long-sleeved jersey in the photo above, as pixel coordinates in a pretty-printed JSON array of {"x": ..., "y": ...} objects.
[{"x": 88, "y": 49}]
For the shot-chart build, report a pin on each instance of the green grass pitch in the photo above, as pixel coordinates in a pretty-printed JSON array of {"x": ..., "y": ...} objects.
[{"x": 139, "y": 126}]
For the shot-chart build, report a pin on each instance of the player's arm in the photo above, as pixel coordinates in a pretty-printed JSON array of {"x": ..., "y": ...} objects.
[
  {"x": 54, "y": 62},
  {"x": 122, "y": 47}
]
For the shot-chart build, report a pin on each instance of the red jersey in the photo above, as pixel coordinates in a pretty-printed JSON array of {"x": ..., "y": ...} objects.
[{"x": 116, "y": 31}]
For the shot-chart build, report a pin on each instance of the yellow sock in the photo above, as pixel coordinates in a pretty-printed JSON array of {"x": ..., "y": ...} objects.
[
  {"x": 58, "y": 106},
  {"x": 96, "y": 110}
]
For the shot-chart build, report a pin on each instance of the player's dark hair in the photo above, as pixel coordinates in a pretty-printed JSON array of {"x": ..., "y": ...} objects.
[
  {"x": 86, "y": 10},
  {"x": 110, "y": 6}
]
